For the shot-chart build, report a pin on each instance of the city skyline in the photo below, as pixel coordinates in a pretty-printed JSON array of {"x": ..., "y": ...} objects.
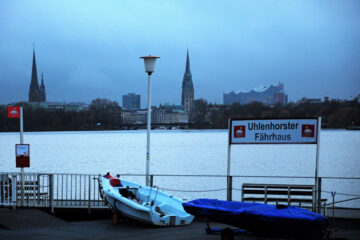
[{"x": 88, "y": 50}]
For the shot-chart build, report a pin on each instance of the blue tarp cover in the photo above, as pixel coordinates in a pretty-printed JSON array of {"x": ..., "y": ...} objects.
[
  {"x": 261, "y": 218},
  {"x": 258, "y": 209}
]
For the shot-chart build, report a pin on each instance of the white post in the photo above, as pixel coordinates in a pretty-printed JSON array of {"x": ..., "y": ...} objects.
[
  {"x": 229, "y": 179},
  {"x": 229, "y": 148},
  {"x": 317, "y": 165},
  {"x": 21, "y": 126},
  {"x": 21, "y": 142},
  {"x": 148, "y": 132}
]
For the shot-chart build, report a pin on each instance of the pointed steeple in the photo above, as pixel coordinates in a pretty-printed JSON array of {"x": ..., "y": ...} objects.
[
  {"x": 42, "y": 81},
  {"x": 187, "y": 62},
  {"x": 42, "y": 89},
  {"x": 34, "y": 92},
  {"x": 187, "y": 97}
]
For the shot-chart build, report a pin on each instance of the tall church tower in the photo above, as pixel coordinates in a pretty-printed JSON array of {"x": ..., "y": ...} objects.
[
  {"x": 36, "y": 93},
  {"x": 42, "y": 89},
  {"x": 187, "y": 96}
]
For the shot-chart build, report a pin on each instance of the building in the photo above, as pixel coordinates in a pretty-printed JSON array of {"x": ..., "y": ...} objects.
[
  {"x": 269, "y": 95},
  {"x": 164, "y": 116},
  {"x": 36, "y": 93},
  {"x": 73, "y": 106},
  {"x": 131, "y": 101},
  {"x": 311, "y": 100},
  {"x": 187, "y": 96}
]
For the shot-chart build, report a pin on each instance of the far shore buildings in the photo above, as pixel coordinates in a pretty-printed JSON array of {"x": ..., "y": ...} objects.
[
  {"x": 166, "y": 114},
  {"x": 131, "y": 101},
  {"x": 268, "y": 95}
]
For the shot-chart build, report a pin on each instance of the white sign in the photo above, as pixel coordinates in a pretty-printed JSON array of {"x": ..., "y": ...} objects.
[
  {"x": 265, "y": 131},
  {"x": 22, "y": 150}
]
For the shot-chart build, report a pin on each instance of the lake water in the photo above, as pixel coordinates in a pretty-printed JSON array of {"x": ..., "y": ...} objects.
[{"x": 198, "y": 152}]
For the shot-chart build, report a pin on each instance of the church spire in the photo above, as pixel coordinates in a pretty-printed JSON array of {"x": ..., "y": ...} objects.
[
  {"x": 34, "y": 92},
  {"x": 42, "y": 81},
  {"x": 187, "y": 62},
  {"x": 187, "y": 97},
  {"x": 42, "y": 89}
]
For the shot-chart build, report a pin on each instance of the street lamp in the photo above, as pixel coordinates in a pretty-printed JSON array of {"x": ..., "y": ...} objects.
[{"x": 149, "y": 62}]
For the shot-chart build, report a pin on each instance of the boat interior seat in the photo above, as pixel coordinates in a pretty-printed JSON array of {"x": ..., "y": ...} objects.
[{"x": 125, "y": 192}]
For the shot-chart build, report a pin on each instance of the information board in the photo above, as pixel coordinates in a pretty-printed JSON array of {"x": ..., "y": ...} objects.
[
  {"x": 273, "y": 131},
  {"x": 22, "y": 150}
]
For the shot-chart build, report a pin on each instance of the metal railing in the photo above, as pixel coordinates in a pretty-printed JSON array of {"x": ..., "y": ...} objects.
[
  {"x": 82, "y": 190},
  {"x": 7, "y": 195}
]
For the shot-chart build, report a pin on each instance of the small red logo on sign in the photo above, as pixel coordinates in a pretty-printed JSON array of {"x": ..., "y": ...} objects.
[
  {"x": 239, "y": 131},
  {"x": 13, "y": 112},
  {"x": 308, "y": 130}
]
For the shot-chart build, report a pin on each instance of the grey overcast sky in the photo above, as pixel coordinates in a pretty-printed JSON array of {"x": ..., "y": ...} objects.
[{"x": 89, "y": 49}]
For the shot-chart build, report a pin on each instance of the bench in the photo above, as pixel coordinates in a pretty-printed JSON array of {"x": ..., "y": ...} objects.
[{"x": 289, "y": 194}]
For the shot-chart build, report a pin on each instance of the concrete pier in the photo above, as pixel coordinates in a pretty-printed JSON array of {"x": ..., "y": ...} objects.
[{"x": 38, "y": 225}]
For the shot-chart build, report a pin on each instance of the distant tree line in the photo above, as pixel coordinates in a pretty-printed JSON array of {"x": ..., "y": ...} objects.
[
  {"x": 334, "y": 113},
  {"x": 104, "y": 114}
]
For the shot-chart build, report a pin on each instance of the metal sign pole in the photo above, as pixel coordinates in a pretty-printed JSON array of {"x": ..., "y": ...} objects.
[
  {"x": 229, "y": 148},
  {"x": 21, "y": 142},
  {"x": 317, "y": 190},
  {"x": 148, "y": 133},
  {"x": 229, "y": 184}
]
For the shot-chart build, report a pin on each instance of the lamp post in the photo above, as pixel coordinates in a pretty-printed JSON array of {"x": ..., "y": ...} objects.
[{"x": 149, "y": 62}]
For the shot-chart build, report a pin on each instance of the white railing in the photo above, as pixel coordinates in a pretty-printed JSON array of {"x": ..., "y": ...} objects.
[
  {"x": 82, "y": 190},
  {"x": 7, "y": 193}
]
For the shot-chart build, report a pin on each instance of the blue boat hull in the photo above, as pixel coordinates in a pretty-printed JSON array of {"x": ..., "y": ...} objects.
[{"x": 261, "y": 219}]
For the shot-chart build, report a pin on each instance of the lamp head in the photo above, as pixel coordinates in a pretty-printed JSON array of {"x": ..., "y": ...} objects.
[{"x": 149, "y": 62}]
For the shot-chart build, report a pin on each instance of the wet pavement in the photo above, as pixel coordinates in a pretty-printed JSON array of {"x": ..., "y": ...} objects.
[{"x": 35, "y": 224}]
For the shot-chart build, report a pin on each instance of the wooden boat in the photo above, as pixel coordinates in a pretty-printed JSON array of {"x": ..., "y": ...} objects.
[
  {"x": 142, "y": 203},
  {"x": 262, "y": 219}
]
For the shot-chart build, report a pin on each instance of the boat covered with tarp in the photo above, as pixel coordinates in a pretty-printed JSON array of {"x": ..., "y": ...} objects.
[
  {"x": 142, "y": 203},
  {"x": 262, "y": 219}
]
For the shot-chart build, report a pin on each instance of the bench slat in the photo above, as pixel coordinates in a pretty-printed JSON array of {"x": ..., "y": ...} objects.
[
  {"x": 292, "y": 200},
  {"x": 278, "y": 192},
  {"x": 280, "y": 186}
]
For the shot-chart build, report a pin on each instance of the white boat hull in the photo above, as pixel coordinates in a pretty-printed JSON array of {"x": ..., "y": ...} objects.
[{"x": 145, "y": 204}]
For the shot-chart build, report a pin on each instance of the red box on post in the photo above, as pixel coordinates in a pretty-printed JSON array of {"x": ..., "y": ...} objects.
[{"x": 22, "y": 161}]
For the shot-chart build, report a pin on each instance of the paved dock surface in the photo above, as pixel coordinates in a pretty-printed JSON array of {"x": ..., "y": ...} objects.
[{"x": 33, "y": 224}]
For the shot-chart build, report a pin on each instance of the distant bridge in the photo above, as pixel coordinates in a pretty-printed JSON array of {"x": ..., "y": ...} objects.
[{"x": 134, "y": 126}]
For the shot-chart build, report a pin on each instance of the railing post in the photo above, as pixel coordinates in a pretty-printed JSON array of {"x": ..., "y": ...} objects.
[
  {"x": 89, "y": 200},
  {"x": 333, "y": 205},
  {"x": 151, "y": 180},
  {"x": 38, "y": 188},
  {"x": 22, "y": 188},
  {"x": 51, "y": 192},
  {"x": 319, "y": 196},
  {"x": 14, "y": 190},
  {"x": 229, "y": 188}
]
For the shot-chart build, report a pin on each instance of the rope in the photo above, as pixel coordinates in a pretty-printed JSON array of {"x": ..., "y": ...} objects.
[
  {"x": 344, "y": 194},
  {"x": 176, "y": 190},
  {"x": 346, "y": 200}
]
